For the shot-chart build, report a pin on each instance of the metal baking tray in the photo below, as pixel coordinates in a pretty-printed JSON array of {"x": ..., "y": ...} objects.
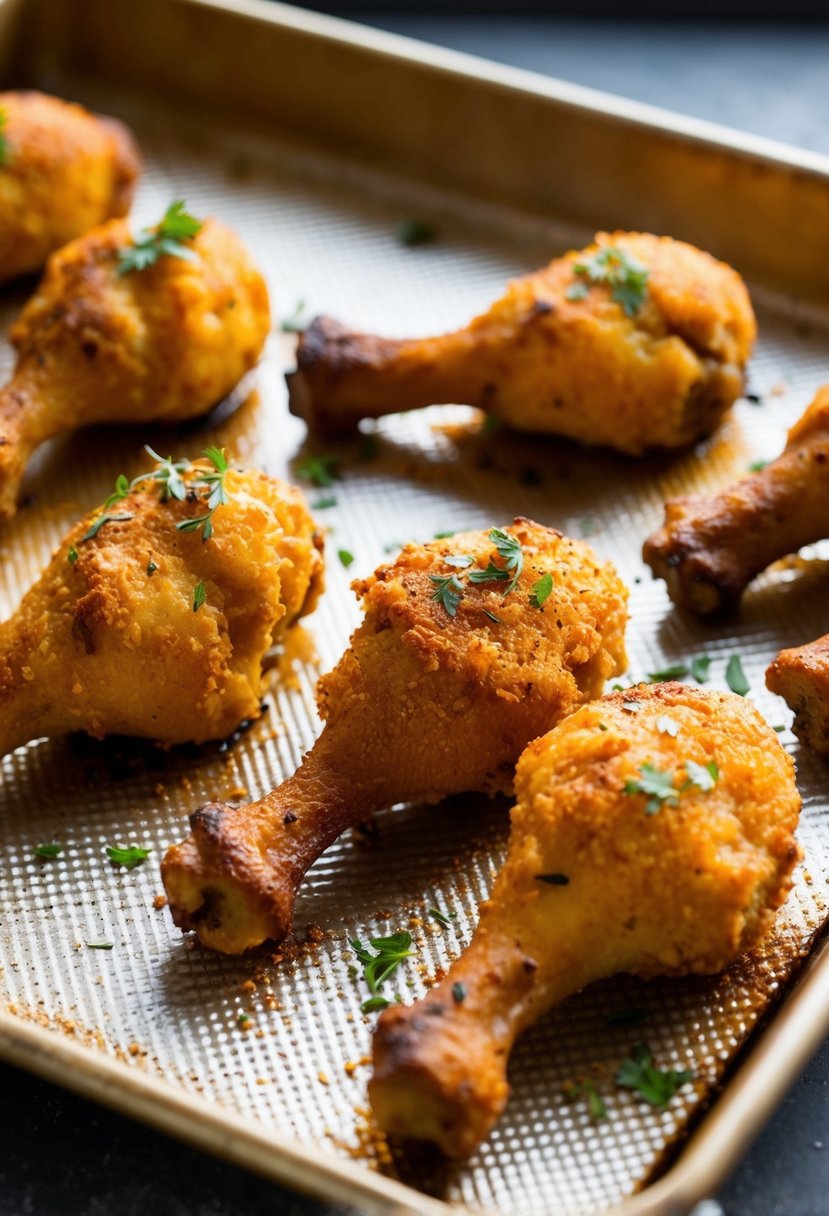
[{"x": 315, "y": 138}]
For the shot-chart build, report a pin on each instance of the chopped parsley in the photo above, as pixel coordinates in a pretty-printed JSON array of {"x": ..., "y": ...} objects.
[
  {"x": 151, "y": 568},
  {"x": 442, "y": 917},
  {"x": 48, "y": 852},
  {"x": 165, "y": 239},
  {"x": 99, "y": 945},
  {"x": 346, "y": 557},
  {"x": 735, "y": 677},
  {"x": 449, "y": 589},
  {"x": 415, "y": 232},
  {"x": 391, "y": 952},
  {"x": 659, "y": 786},
  {"x": 586, "y": 1089},
  {"x": 323, "y": 504},
  {"x": 297, "y": 321},
  {"x": 199, "y": 595},
  {"x": 321, "y": 471},
  {"x": 656, "y": 1085},
  {"x": 699, "y": 668},
  {"x": 72, "y": 555},
  {"x": 757, "y": 466},
  {"x": 128, "y": 856},
  {"x": 541, "y": 590},
  {"x": 374, "y": 1004},
  {"x": 624, "y": 274},
  {"x": 448, "y": 592},
  {"x": 677, "y": 672}
]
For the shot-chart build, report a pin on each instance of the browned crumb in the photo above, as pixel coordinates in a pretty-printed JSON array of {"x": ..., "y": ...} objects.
[{"x": 160, "y": 902}]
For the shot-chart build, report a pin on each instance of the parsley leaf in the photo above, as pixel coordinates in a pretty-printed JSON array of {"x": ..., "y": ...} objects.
[
  {"x": 297, "y": 321},
  {"x": 678, "y": 672},
  {"x": 448, "y": 591},
  {"x": 541, "y": 590},
  {"x": 624, "y": 275},
  {"x": 577, "y": 291},
  {"x": 390, "y": 954},
  {"x": 199, "y": 595},
  {"x": 586, "y": 1089},
  {"x": 735, "y": 677},
  {"x": 4, "y": 143},
  {"x": 699, "y": 668},
  {"x": 48, "y": 851},
  {"x": 345, "y": 556},
  {"x": 320, "y": 470},
  {"x": 757, "y": 466},
  {"x": 459, "y": 560},
  {"x": 703, "y": 776},
  {"x": 165, "y": 239},
  {"x": 374, "y": 1004},
  {"x": 442, "y": 918},
  {"x": 72, "y": 555},
  {"x": 128, "y": 856},
  {"x": 657, "y": 784},
  {"x": 656, "y": 1085},
  {"x": 323, "y": 504},
  {"x": 509, "y": 550}
]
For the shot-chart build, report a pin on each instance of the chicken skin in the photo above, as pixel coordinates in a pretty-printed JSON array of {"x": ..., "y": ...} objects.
[
  {"x": 442, "y": 687},
  {"x": 600, "y": 878},
  {"x": 801, "y": 676},
  {"x": 710, "y": 549},
  {"x": 636, "y": 342},
  {"x": 62, "y": 171},
  {"x": 161, "y": 344},
  {"x": 141, "y": 626}
]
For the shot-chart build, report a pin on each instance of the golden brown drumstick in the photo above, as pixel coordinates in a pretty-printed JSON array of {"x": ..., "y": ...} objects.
[
  {"x": 801, "y": 676},
  {"x": 62, "y": 171},
  {"x": 631, "y": 850},
  {"x": 161, "y": 344},
  {"x": 709, "y": 549},
  {"x": 635, "y": 342},
  {"x": 444, "y": 683},
  {"x": 139, "y": 626}
]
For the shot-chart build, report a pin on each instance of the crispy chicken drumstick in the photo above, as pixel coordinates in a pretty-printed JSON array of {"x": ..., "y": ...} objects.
[
  {"x": 159, "y": 344},
  {"x": 454, "y": 670},
  {"x": 636, "y": 342},
  {"x": 709, "y": 549},
  {"x": 139, "y": 626},
  {"x": 62, "y": 171},
  {"x": 602, "y": 876}
]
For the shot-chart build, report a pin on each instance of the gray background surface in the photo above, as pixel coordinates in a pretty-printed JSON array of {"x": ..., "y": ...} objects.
[{"x": 61, "y": 1156}]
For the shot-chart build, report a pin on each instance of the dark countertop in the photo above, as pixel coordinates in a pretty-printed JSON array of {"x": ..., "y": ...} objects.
[{"x": 62, "y": 1156}]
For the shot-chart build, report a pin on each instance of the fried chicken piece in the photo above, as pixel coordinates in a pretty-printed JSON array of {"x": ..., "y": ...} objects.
[
  {"x": 62, "y": 171},
  {"x": 434, "y": 696},
  {"x": 112, "y": 639},
  {"x": 599, "y": 879},
  {"x": 710, "y": 549},
  {"x": 651, "y": 359},
  {"x": 801, "y": 676},
  {"x": 162, "y": 344}
]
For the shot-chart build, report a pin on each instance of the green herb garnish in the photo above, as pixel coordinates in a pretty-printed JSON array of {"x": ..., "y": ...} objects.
[
  {"x": 128, "y": 856},
  {"x": 97, "y": 524},
  {"x": 297, "y": 321},
  {"x": 448, "y": 591},
  {"x": 48, "y": 851},
  {"x": 660, "y": 788},
  {"x": 441, "y": 917},
  {"x": 699, "y": 668},
  {"x": 72, "y": 555},
  {"x": 735, "y": 677},
  {"x": 415, "y": 232},
  {"x": 242, "y": 1018},
  {"x": 323, "y": 504},
  {"x": 165, "y": 239},
  {"x": 217, "y": 495},
  {"x": 346, "y": 557},
  {"x": 151, "y": 568},
  {"x": 656, "y": 1085},
  {"x": 624, "y": 274},
  {"x": 99, "y": 945},
  {"x": 586, "y": 1089},
  {"x": 320, "y": 470},
  {"x": 667, "y": 726},
  {"x": 541, "y": 590},
  {"x": 459, "y": 993},
  {"x": 677, "y": 672},
  {"x": 199, "y": 595},
  {"x": 374, "y": 1004},
  {"x": 390, "y": 954},
  {"x": 577, "y": 291},
  {"x": 757, "y": 466},
  {"x": 4, "y": 143}
]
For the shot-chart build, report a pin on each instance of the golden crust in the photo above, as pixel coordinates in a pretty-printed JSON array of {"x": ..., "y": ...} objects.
[
  {"x": 801, "y": 676},
  {"x": 545, "y": 362},
  {"x": 111, "y": 644},
  {"x": 66, "y": 171},
  {"x": 421, "y": 705},
  {"x": 683, "y": 889}
]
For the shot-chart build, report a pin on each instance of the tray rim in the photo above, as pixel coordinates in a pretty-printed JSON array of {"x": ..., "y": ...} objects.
[{"x": 774, "y": 1052}]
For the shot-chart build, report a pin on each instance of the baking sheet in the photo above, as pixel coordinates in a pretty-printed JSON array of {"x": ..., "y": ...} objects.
[{"x": 325, "y": 232}]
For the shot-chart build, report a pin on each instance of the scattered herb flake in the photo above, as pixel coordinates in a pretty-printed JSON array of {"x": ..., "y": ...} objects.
[
  {"x": 553, "y": 880},
  {"x": 323, "y": 504},
  {"x": 458, "y": 993},
  {"x": 99, "y": 945},
  {"x": 346, "y": 557},
  {"x": 460, "y": 561},
  {"x": 657, "y": 784},
  {"x": 677, "y": 672},
  {"x": 448, "y": 591},
  {"x": 217, "y": 493},
  {"x": 667, "y": 726},
  {"x": 374, "y": 1004},
  {"x": 656, "y": 1085},
  {"x": 493, "y": 617},
  {"x": 703, "y": 776},
  {"x": 48, "y": 851},
  {"x": 596, "y": 1108},
  {"x": 97, "y": 524},
  {"x": 297, "y": 321},
  {"x": 72, "y": 555},
  {"x": 242, "y": 1018},
  {"x": 390, "y": 954},
  {"x": 128, "y": 856},
  {"x": 577, "y": 291},
  {"x": 413, "y": 232},
  {"x": 442, "y": 917},
  {"x": 757, "y": 466},
  {"x": 700, "y": 665},
  {"x": 602, "y": 726},
  {"x": 151, "y": 568},
  {"x": 165, "y": 239},
  {"x": 624, "y": 274},
  {"x": 541, "y": 590},
  {"x": 199, "y": 595},
  {"x": 735, "y": 677},
  {"x": 632, "y": 707},
  {"x": 444, "y": 535},
  {"x": 4, "y": 143},
  {"x": 321, "y": 470}
]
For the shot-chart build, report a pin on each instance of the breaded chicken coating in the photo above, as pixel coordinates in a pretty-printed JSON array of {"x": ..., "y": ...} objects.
[
  {"x": 443, "y": 685},
  {"x": 801, "y": 676},
  {"x": 162, "y": 344},
  {"x": 139, "y": 626},
  {"x": 636, "y": 342},
  {"x": 709, "y": 549},
  {"x": 601, "y": 877},
  {"x": 62, "y": 171}
]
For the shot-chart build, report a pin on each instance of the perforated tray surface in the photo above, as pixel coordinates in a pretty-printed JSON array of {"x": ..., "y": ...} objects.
[{"x": 325, "y": 233}]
